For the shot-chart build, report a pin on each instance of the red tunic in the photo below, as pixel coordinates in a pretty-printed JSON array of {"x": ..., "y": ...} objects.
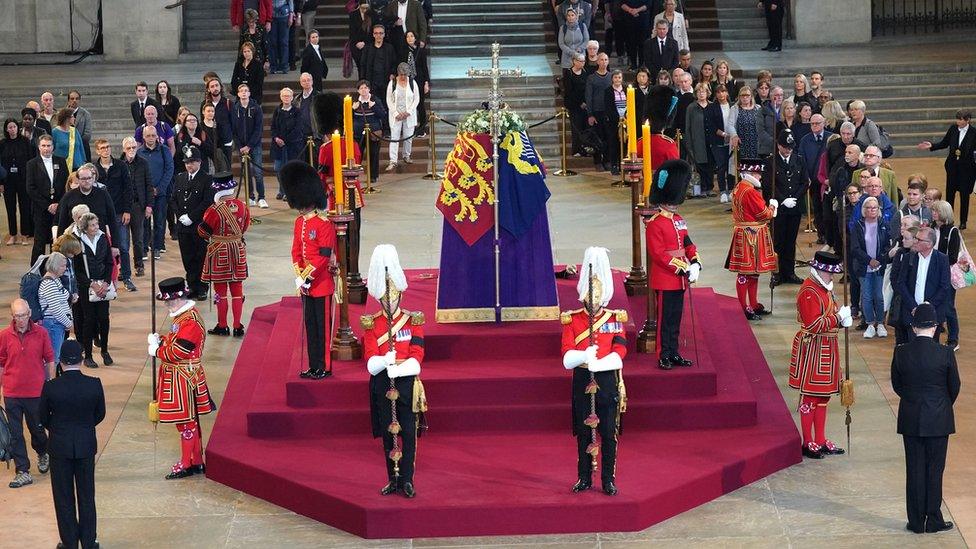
[
  {"x": 356, "y": 199},
  {"x": 751, "y": 251},
  {"x": 408, "y": 336},
  {"x": 312, "y": 249},
  {"x": 663, "y": 148},
  {"x": 223, "y": 226},
  {"x": 610, "y": 338},
  {"x": 814, "y": 364},
  {"x": 610, "y": 334},
  {"x": 180, "y": 350},
  {"x": 670, "y": 249}
]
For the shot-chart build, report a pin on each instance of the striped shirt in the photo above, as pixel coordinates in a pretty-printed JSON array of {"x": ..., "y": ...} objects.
[{"x": 54, "y": 301}]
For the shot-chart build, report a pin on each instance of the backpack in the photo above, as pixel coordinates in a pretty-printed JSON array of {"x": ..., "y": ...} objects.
[
  {"x": 887, "y": 150},
  {"x": 30, "y": 283},
  {"x": 6, "y": 444}
]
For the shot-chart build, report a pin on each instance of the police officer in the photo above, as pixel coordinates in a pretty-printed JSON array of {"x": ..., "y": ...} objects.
[
  {"x": 791, "y": 185},
  {"x": 193, "y": 196}
]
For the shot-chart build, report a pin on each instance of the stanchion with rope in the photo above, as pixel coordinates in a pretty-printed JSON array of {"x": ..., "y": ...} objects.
[
  {"x": 432, "y": 173},
  {"x": 367, "y": 160},
  {"x": 563, "y": 171},
  {"x": 310, "y": 145}
]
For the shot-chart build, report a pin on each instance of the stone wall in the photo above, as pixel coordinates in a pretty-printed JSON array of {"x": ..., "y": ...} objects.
[{"x": 832, "y": 22}]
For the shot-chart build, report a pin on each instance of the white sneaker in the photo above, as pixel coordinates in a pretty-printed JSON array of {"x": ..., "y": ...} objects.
[
  {"x": 724, "y": 199},
  {"x": 263, "y": 203},
  {"x": 881, "y": 331},
  {"x": 870, "y": 332},
  {"x": 251, "y": 202},
  {"x": 406, "y": 160},
  {"x": 391, "y": 166}
]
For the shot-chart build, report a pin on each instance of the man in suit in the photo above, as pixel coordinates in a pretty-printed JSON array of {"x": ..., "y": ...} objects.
[
  {"x": 925, "y": 377},
  {"x": 71, "y": 406},
  {"x": 47, "y": 176},
  {"x": 960, "y": 163},
  {"x": 404, "y": 16},
  {"x": 193, "y": 197},
  {"x": 138, "y": 107},
  {"x": 813, "y": 146},
  {"x": 773, "y": 10},
  {"x": 313, "y": 63},
  {"x": 791, "y": 184},
  {"x": 660, "y": 50},
  {"x": 925, "y": 278}
]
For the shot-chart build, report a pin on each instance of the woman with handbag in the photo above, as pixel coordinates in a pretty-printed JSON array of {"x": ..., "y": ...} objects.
[
  {"x": 950, "y": 243},
  {"x": 95, "y": 288}
]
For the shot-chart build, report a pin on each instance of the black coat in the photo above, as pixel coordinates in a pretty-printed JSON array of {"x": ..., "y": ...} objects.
[
  {"x": 170, "y": 110},
  {"x": 117, "y": 184},
  {"x": 192, "y": 198},
  {"x": 949, "y": 242},
  {"x": 377, "y": 65},
  {"x": 859, "y": 258},
  {"x": 206, "y": 146},
  {"x": 14, "y": 156},
  {"x": 70, "y": 407},
  {"x": 791, "y": 182},
  {"x": 99, "y": 202},
  {"x": 925, "y": 376},
  {"x": 315, "y": 65},
  {"x": 96, "y": 264},
  {"x": 252, "y": 75},
  {"x": 222, "y": 117},
  {"x": 138, "y": 116},
  {"x": 655, "y": 60},
  {"x": 41, "y": 190},
  {"x": 141, "y": 181},
  {"x": 937, "y": 285},
  {"x": 963, "y": 168},
  {"x": 714, "y": 121}
]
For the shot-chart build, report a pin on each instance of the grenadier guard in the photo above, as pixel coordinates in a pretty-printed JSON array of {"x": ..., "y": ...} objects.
[
  {"x": 393, "y": 344},
  {"x": 223, "y": 227},
  {"x": 193, "y": 197},
  {"x": 661, "y": 104},
  {"x": 815, "y": 362},
  {"x": 751, "y": 252},
  {"x": 313, "y": 253},
  {"x": 675, "y": 263},
  {"x": 594, "y": 345},
  {"x": 791, "y": 186},
  {"x": 182, "y": 392}
]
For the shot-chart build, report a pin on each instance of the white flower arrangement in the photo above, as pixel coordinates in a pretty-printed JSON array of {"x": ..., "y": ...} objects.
[{"x": 479, "y": 121}]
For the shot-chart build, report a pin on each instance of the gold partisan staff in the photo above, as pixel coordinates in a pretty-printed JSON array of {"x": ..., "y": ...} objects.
[
  {"x": 392, "y": 394},
  {"x": 592, "y": 386},
  {"x": 847, "y": 386}
]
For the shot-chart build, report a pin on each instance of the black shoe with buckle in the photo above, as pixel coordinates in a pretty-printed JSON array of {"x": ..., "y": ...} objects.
[
  {"x": 678, "y": 360},
  {"x": 219, "y": 331},
  {"x": 408, "y": 490},
  {"x": 609, "y": 488},
  {"x": 761, "y": 310},
  {"x": 830, "y": 449},
  {"x": 812, "y": 451},
  {"x": 390, "y": 488},
  {"x": 751, "y": 315},
  {"x": 664, "y": 363},
  {"x": 182, "y": 473},
  {"x": 582, "y": 485},
  {"x": 198, "y": 469},
  {"x": 239, "y": 331},
  {"x": 315, "y": 374}
]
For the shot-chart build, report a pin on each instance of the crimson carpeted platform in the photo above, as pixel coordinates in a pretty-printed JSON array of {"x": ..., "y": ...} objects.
[{"x": 500, "y": 458}]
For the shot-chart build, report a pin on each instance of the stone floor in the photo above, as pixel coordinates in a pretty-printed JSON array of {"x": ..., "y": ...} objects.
[{"x": 855, "y": 500}]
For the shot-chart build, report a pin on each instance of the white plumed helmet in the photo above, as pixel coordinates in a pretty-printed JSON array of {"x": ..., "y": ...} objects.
[
  {"x": 385, "y": 261},
  {"x": 599, "y": 259}
]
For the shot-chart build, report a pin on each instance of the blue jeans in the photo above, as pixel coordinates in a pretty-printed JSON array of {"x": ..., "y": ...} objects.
[
  {"x": 257, "y": 175},
  {"x": 279, "y": 44},
  {"x": 125, "y": 268},
  {"x": 55, "y": 330},
  {"x": 160, "y": 202},
  {"x": 872, "y": 301}
]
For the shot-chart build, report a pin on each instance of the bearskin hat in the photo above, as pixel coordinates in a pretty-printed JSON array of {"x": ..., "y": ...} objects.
[
  {"x": 661, "y": 103},
  {"x": 301, "y": 184},
  {"x": 670, "y": 182},
  {"x": 326, "y": 113}
]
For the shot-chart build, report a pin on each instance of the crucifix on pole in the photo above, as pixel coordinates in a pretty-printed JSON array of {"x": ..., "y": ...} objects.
[{"x": 495, "y": 74}]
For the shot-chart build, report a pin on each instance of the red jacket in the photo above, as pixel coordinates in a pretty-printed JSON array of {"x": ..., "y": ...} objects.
[
  {"x": 663, "y": 148},
  {"x": 23, "y": 358},
  {"x": 408, "y": 337},
  {"x": 265, "y": 12},
  {"x": 354, "y": 199},
  {"x": 611, "y": 336},
  {"x": 312, "y": 249},
  {"x": 670, "y": 249}
]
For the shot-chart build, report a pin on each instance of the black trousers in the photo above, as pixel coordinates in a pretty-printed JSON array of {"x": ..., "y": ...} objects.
[
  {"x": 602, "y": 155},
  {"x": 408, "y": 435},
  {"x": 317, "y": 313},
  {"x": 20, "y": 410},
  {"x": 15, "y": 198},
  {"x": 93, "y": 318},
  {"x": 831, "y": 223},
  {"x": 816, "y": 208},
  {"x": 785, "y": 230},
  {"x": 957, "y": 183},
  {"x": 670, "y": 306},
  {"x": 774, "y": 26},
  {"x": 136, "y": 244},
  {"x": 607, "y": 412},
  {"x": 73, "y": 486},
  {"x": 706, "y": 174},
  {"x": 193, "y": 251},
  {"x": 924, "y": 464},
  {"x": 611, "y": 135},
  {"x": 42, "y": 232},
  {"x": 636, "y": 30},
  {"x": 577, "y": 123}
]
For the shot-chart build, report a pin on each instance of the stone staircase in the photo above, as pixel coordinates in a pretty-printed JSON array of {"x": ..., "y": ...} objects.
[
  {"x": 741, "y": 25},
  {"x": 704, "y": 23},
  {"x": 466, "y": 29}
]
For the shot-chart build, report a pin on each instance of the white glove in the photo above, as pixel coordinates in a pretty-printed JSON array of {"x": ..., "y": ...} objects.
[
  {"x": 390, "y": 358},
  {"x": 844, "y": 312},
  {"x": 185, "y": 220},
  {"x": 773, "y": 203},
  {"x": 591, "y": 354},
  {"x": 607, "y": 363},
  {"x": 693, "y": 271},
  {"x": 153, "y": 340},
  {"x": 573, "y": 358},
  {"x": 375, "y": 364},
  {"x": 790, "y": 202},
  {"x": 299, "y": 282},
  {"x": 846, "y": 322},
  {"x": 409, "y": 367}
]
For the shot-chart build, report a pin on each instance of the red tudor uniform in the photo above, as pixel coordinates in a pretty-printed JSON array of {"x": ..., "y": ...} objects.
[
  {"x": 611, "y": 395},
  {"x": 751, "y": 252},
  {"x": 312, "y": 250},
  {"x": 223, "y": 226},
  {"x": 408, "y": 337},
  {"x": 355, "y": 199}
]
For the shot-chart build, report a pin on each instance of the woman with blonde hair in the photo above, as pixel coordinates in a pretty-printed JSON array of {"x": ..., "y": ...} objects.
[
  {"x": 949, "y": 243},
  {"x": 94, "y": 273},
  {"x": 723, "y": 75},
  {"x": 834, "y": 116}
]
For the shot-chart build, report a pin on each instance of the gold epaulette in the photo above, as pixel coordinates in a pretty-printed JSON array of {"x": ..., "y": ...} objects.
[
  {"x": 416, "y": 318},
  {"x": 368, "y": 321},
  {"x": 622, "y": 315},
  {"x": 566, "y": 317}
]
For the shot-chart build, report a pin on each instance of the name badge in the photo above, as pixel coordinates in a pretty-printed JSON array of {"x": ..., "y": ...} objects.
[{"x": 57, "y": 167}]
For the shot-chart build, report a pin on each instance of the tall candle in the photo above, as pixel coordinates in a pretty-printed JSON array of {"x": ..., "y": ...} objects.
[
  {"x": 646, "y": 153},
  {"x": 347, "y": 128},
  {"x": 337, "y": 186},
  {"x": 631, "y": 123}
]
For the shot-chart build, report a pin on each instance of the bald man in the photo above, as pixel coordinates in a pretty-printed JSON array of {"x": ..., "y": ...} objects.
[{"x": 26, "y": 360}]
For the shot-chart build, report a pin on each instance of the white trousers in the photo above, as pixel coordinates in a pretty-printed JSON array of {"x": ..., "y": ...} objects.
[{"x": 399, "y": 130}]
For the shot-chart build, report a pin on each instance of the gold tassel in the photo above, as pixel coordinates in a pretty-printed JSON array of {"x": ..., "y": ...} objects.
[
  {"x": 847, "y": 393},
  {"x": 153, "y": 411},
  {"x": 419, "y": 396},
  {"x": 339, "y": 287},
  {"x": 622, "y": 389}
]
